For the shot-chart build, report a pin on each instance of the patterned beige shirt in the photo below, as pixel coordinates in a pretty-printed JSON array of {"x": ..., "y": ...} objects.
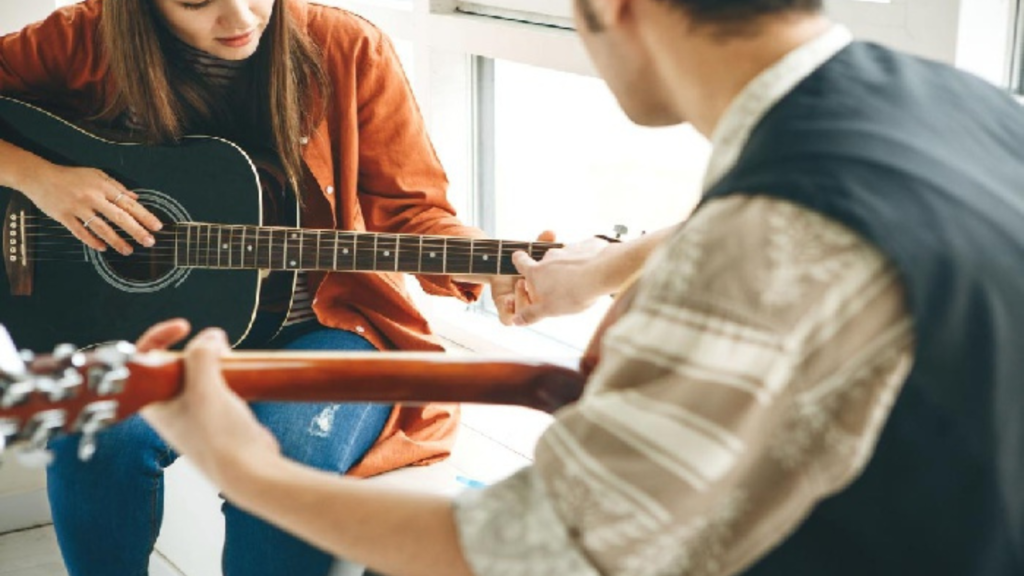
[{"x": 750, "y": 379}]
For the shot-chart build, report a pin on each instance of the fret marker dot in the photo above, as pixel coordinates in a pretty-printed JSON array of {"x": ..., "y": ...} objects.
[
  {"x": 486, "y": 257},
  {"x": 249, "y": 248},
  {"x": 292, "y": 263},
  {"x": 433, "y": 254},
  {"x": 294, "y": 236},
  {"x": 225, "y": 247},
  {"x": 387, "y": 253},
  {"x": 345, "y": 251}
]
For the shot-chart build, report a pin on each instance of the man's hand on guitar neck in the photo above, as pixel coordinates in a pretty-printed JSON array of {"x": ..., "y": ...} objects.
[
  {"x": 570, "y": 279},
  {"x": 504, "y": 288},
  {"x": 208, "y": 422},
  {"x": 86, "y": 201}
]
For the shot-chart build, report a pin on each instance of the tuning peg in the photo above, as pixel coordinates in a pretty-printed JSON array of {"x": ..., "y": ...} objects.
[
  {"x": 93, "y": 419},
  {"x": 38, "y": 432},
  {"x": 108, "y": 376}
]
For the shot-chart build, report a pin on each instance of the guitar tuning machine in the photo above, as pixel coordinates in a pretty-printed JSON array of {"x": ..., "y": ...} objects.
[
  {"x": 109, "y": 374},
  {"x": 37, "y": 434},
  {"x": 66, "y": 378},
  {"x": 91, "y": 421}
]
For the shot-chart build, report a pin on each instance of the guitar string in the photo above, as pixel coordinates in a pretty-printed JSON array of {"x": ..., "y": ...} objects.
[
  {"x": 453, "y": 245},
  {"x": 67, "y": 248},
  {"x": 311, "y": 235}
]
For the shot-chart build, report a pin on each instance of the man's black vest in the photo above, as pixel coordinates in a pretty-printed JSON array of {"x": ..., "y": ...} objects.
[{"x": 927, "y": 163}]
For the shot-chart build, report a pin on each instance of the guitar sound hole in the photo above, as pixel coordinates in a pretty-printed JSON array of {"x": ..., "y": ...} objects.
[{"x": 145, "y": 265}]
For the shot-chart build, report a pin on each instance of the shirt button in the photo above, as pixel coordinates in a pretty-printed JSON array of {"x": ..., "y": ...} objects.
[
  {"x": 303, "y": 140},
  {"x": 360, "y": 329},
  {"x": 329, "y": 189}
]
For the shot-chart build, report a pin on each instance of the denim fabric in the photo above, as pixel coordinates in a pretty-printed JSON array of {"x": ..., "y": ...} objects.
[{"x": 107, "y": 512}]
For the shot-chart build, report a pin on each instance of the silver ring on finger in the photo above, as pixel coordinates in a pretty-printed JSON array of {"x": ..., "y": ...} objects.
[
  {"x": 116, "y": 198},
  {"x": 87, "y": 221}
]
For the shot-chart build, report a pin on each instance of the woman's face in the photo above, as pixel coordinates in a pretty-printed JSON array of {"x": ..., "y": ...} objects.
[{"x": 228, "y": 29}]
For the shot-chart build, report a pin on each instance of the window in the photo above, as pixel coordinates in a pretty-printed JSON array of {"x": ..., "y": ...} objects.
[
  {"x": 1016, "y": 75},
  {"x": 550, "y": 12}
]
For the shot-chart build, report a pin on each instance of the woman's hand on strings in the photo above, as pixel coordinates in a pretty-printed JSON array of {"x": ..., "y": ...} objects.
[{"x": 92, "y": 205}]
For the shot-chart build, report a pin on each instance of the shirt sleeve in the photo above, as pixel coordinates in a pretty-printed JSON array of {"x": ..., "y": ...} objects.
[
  {"x": 749, "y": 380},
  {"x": 402, "y": 185},
  {"x": 54, "y": 59}
]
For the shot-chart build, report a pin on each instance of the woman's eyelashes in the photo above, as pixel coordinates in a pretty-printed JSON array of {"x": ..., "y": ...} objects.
[{"x": 196, "y": 5}]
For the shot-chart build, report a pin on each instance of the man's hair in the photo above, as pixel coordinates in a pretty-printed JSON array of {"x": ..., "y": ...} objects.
[{"x": 739, "y": 11}]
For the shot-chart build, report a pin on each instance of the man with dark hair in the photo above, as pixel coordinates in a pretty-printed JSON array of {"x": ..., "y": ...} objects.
[{"x": 819, "y": 373}]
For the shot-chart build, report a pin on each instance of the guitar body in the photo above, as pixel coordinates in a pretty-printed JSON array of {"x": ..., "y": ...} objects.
[{"x": 87, "y": 297}]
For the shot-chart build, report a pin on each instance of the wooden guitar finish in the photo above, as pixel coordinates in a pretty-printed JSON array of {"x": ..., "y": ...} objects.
[{"x": 84, "y": 392}]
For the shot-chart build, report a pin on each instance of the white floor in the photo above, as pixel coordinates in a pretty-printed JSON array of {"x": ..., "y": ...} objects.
[{"x": 34, "y": 553}]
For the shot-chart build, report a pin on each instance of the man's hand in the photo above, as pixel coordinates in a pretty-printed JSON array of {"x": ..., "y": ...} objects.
[
  {"x": 208, "y": 422},
  {"x": 565, "y": 281},
  {"x": 503, "y": 288}
]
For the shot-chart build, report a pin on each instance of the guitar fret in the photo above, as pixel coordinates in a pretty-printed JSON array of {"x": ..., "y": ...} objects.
[
  {"x": 386, "y": 252},
  {"x": 355, "y": 250},
  {"x": 261, "y": 262},
  {"x": 188, "y": 245},
  {"x": 242, "y": 248},
  {"x": 335, "y": 266},
  {"x": 432, "y": 259},
  {"x": 472, "y": 247},
  {"x": 284, "y": 252},
  {"x": 230, "y": 246},
  {"x": 375, "y": 238},
  {"x": 316, "y": 260},
  {"x": 220, "y": 245},
  {"x": 398, "y": 250},
  {"x": 486, "y": 257},
  {"x": 505, "y": 256},
  {"x": 209, "y": 246}
]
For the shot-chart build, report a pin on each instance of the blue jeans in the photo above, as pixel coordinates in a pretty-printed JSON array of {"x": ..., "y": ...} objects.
[{"x": 107, "y": 512}]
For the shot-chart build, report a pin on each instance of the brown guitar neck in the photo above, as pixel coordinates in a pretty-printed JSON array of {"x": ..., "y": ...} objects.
[{"x": 388, "y": 377}]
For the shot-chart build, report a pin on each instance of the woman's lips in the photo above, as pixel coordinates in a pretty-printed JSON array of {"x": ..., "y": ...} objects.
[{"x": 238, "y": 41}]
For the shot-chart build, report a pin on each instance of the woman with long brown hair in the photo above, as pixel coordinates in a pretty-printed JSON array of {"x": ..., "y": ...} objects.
[{"x": 324, "y": 91}]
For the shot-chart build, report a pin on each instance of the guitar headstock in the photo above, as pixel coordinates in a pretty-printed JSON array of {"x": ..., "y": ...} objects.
[{"x": 66, "y": 391}]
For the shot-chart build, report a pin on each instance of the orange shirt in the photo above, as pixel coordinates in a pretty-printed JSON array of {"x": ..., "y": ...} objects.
[{"x": 371, "y": 157}]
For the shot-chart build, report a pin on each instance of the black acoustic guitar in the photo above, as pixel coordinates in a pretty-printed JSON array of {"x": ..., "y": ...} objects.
[{"x": 227, "y": 256}]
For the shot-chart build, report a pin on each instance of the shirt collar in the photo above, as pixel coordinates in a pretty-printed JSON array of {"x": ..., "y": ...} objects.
[{"x": 762, "y": 93}]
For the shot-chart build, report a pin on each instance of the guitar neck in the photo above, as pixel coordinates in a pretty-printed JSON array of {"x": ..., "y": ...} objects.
[
  {"x": 388, "y": 377},
  {"x": 200, "y": 245}
]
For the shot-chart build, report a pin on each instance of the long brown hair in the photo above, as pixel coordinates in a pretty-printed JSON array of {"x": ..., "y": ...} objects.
[{"x": 284, "y": 98}]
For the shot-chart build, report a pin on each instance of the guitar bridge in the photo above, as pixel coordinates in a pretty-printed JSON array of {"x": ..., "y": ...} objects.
[{"x": 17, "y": 260}]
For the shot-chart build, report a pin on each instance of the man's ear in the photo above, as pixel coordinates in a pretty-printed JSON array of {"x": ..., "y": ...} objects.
[
  {"x": 615, "y": 11},
  {"x": 600, "y": 14}
]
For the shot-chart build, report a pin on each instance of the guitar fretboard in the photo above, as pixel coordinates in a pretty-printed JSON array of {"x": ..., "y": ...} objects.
[{"x": 198, "y": 245}]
